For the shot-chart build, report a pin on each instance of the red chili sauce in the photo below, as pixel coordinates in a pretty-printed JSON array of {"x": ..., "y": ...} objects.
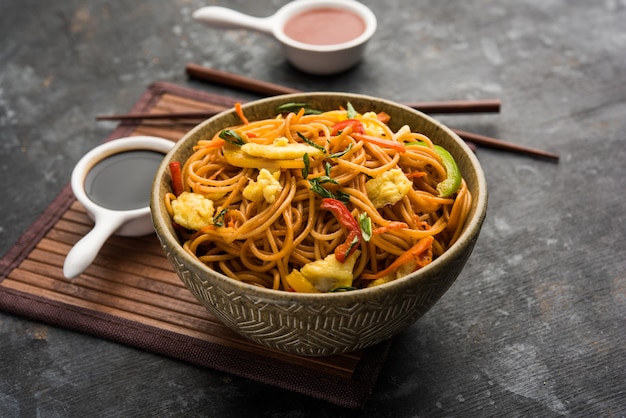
[{"x": 327, "y": 26}]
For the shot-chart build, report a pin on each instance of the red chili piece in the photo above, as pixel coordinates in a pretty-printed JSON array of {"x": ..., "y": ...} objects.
[
  {"x": 357, "y": 126},
  {"x": 343, "y": 215},
  {"x": 177, "y": 178}
]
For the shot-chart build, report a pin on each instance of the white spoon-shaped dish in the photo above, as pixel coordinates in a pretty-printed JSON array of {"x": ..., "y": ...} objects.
[{"x": 310, "y": 58}]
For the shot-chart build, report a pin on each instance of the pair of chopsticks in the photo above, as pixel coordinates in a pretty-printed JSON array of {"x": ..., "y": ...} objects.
[{"x": 271, "y": 89}]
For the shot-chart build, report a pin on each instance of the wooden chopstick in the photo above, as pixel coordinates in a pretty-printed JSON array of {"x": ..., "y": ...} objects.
[
  {"x": 174, "y": 115},
  {"x": 426, "y": 107},
  {"x": 266, "y": 88},
  {"x": 489, "y": 142},
  {"x": 263, "y": 87},
  {"x": 469, "y": 137},
  {"x": 467, "y": 106},
  {"x": 457, "y": 106},
  {"x": 237, "y": 81}
]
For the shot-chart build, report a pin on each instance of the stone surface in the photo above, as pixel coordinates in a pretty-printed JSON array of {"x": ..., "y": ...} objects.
[{"x": 534, "y": 326}]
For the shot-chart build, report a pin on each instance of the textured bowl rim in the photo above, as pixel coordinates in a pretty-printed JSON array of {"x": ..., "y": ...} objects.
[{"x": 469, "y": 234}]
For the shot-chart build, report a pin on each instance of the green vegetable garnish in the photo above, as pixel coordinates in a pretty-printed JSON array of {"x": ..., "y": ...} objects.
[
  {"x": 451, "y": 184},
  {"x": 351, "y": 111},
  {"x": 341, "y": 153},
  {"x": 453, "y": 181},
  {"x": 311, "y": 143},
  {"x": 295, "y": 107},
  {"x": 218, "y": 220},
  {"x": 317, "y": 188},
  {"x": 327, "y": 178},
  {"x": 327, "y": 168},
  {"x": 365, "y": 222},
  {"x": 305, "y": 170},
  {"x": 232, "y": 137},
  {"x": 343, "y": 196},
  {"x": 316, "y": 183},
  {"x": 308, "y": 110}
]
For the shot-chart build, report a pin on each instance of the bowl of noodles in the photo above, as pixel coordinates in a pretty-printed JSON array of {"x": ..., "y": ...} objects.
[{"x": 319, "y": 223}]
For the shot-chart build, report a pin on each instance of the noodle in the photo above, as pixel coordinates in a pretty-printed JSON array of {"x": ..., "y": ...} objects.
[{"x": 265, "y": 226}]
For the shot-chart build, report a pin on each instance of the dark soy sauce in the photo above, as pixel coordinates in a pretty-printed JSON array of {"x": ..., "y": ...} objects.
[{"x": 123, "y": 181}]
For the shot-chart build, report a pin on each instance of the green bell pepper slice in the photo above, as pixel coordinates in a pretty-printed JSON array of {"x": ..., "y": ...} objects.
[{"x": 451, "y": 184}]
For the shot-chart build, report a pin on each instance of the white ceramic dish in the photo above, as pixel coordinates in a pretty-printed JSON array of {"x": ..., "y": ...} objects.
[
  {"x": 313, "y": 59},
  {"x": 133, "y": 222}
]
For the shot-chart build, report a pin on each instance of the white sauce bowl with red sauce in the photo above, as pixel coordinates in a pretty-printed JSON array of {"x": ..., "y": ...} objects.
[{"x": 318, "y": 36}]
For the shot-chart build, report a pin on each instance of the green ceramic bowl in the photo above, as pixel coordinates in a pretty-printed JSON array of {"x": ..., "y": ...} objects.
[{"x": 331, "y": 323}]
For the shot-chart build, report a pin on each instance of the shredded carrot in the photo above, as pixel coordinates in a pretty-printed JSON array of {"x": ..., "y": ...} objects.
[
  {"x": 215, "y": 143},
  {"x": 385, "y": 143},
  {"x": 416, "y": 174},
  {"x": 389, "y": 227},
  {"x": 207, "y": 228},
  {"x": 240, "y": 113},
  {"x": 422, "y": 245},
  {"x": 383, "y": 117},
  {"x": 424, "y": 225}
]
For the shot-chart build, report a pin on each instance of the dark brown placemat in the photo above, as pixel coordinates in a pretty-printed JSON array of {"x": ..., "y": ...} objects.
[{"x": 131, "y": 295}]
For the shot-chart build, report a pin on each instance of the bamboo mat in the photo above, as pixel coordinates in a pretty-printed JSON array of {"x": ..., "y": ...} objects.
[{"x": 132, "y": 296}]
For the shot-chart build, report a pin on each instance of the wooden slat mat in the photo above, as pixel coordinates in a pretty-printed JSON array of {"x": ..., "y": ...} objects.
[{"x": 132, "y": 296}]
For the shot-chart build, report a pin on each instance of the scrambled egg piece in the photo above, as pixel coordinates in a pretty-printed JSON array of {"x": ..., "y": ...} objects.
[
  {"x": 265, "y": 187},
  {"x": 370, "y": 127},
  {"x": 193, "y": 211},
  {"x": 402, "y": 131},
  {"x": 324, "y": 275},
  {"x": 388, "y": 188},
  {"x": 280, "y": 149}
]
